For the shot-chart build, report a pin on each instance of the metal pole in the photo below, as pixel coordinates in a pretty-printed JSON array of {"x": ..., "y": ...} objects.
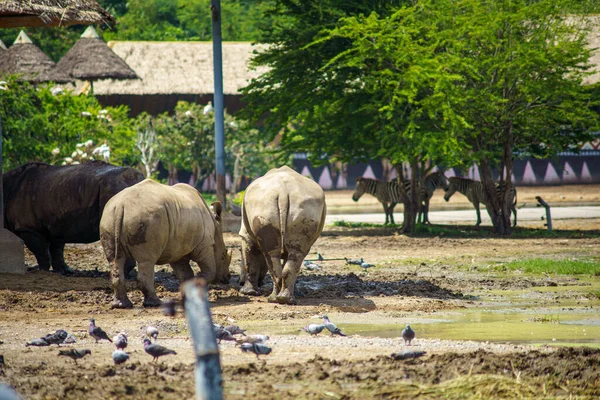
[
  {"x": 1, "y": 179},
  {"x": 218, "y": 98},
  {"x": 209, "y": 383}
]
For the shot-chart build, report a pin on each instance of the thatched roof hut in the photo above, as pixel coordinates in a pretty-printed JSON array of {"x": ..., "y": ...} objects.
[
  {"x": 26, "y": 59},
  {"x": 91, "y": 59},
  {"x": 20, "y": 13},
  {"x": 180, "y": 68}
]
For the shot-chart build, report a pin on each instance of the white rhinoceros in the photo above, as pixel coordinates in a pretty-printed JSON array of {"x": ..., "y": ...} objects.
[
  {"x": 154, "y": 224},
  {"x": 283, "y": 214}
]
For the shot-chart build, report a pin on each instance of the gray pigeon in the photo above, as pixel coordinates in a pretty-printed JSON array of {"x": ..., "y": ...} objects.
[
  {"x": 74, "y": 354},
  {"x": 119, "y": 357},
  {"x": 256, "y": 348},
  {"x": 37, "y": 342},
  {"x": 70, "y": 339},
  {"x": 57, "y": 337},
  {"x": 354, "y": 261},
  {"x": 331, "y": 327},
  {"x": 120, "y": 341},
  {"x": 408, "y": 335},
  {"x": 96, "y": 332},
  {"x": 314, "y": 329},
  {"x": 152, "y": 332},
  {"x": 252, "y": 339},
  {"x": 8, "y": 392},
  {"x": 366, "y": 266},
  {"x": 408, "y": 354},
  {"x": 156, "y": 350},
  {"x": 223, "y": 334},
  {"x": 235, "y": 330}
]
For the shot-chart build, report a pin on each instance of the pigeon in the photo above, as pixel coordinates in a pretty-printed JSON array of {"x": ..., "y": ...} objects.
[
  {"x": 120, "y": 341},
  {"x": 331, "y": 327},
  {"x": 74, "y": 354},
  {"x": 312, "y": 266},
  {"x": 223, "y": 334},
  {"x": 408, "y": 335},
  {"x": 235, "y": 330},
  {"x": 37, "y": 342},
  {"x": 57, "y": 337},
  {"x": 70, "y": 339},
  {"x": 256, "y": 348},
  {"x": 354, "y": 261},
  {"x": 366, "y": 266},
  {"x": 252, "y": 339},
  {"x": 408, "y": 354},
  {"x": 119, "y": 357},
  {"x": 8, "y": 392},
  {"x": 320, "y": 257},
  {"x": 156, "y": 350},
  {"x": 314, "y": 329},
  {"x": 152, "y": 332},
  {"x": 97, "y": 332}
]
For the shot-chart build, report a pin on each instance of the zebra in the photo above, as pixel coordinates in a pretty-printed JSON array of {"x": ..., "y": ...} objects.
[
  {"x": 431, "y": 182},
  {"x": 475, "y": 193},
  {"x": 388, "y": 194}
]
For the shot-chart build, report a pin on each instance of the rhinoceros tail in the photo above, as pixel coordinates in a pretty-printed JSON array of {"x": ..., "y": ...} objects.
[{"x": 284, "y": 211}]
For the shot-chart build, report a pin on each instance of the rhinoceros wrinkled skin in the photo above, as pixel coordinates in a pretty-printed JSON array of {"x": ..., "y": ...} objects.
[
  {"x": 283, "y": 214},
  {"x": 153, "y": 223},
  {"x": 48, "y": 206}
]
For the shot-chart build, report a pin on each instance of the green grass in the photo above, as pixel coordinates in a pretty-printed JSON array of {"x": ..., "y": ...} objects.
[{"x": 561, "y": 267}]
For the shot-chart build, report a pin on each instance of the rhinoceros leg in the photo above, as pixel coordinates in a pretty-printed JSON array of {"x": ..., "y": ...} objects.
[
  {"x": 39, "y": 246},
  {"x": 252, "y": 263},
  {"x": 288, "y": 278},
  {"x": 117, "y": 276},
  {"x": 182, "y": 270},
  {"x": 274, "y": 265},
  {"x": 57, "y": 254},
  {"x": 146, "y": 283}
]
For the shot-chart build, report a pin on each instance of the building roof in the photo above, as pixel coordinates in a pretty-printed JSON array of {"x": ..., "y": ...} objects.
[
  {"x": 20, "y": 13},
  {"x": 26, "y": 59},
  {"x": 179, "y": 68},
  {"x": 91, "y": 59}
]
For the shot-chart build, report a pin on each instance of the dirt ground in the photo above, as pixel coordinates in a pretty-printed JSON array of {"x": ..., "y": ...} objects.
[{"x": 414, "y": 276}]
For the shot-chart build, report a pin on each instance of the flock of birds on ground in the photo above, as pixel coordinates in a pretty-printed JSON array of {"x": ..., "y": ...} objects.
[
  {"x": 255, "y": 344},
  {"x": 312, "y": 266}
]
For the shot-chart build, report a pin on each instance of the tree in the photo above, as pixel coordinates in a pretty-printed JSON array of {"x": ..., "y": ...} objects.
[{"x": 435, "y": 82}]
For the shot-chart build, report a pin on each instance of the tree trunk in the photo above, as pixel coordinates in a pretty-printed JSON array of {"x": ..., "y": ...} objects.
[
  {"x": 496, "y": 205},
  {"x": 172, "y": 179},
  {"x": 411, "y": 204}
]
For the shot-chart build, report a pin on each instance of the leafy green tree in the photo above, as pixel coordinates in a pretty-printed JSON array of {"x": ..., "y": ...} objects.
[
  {"x": 444, "y": 82},
  {"x": 37, "y": 121},
  {"x": 185, "y": 141}
]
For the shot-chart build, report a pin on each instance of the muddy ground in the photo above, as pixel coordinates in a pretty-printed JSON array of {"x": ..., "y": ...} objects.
[{"x": 414, "y": 277}]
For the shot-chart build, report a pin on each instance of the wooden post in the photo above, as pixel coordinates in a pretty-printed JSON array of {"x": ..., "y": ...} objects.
[
  {"x": 209, "y": 383},
  {"x": 219, "y": 101},
  {"x": 542, "y": 203}
]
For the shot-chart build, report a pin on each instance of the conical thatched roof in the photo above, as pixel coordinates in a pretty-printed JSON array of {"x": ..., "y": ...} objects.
[
  {"x": 20, "y": 13},
  {"x": 91, "y": 59},
  {"x": 26, "y": 59}
]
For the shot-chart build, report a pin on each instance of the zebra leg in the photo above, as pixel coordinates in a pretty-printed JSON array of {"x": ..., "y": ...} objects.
[
  {"x": 426, "y": 212},
  {"x": 391, "y": 211},
  {"x": 514, "y": 211},
  {"x": 386, "y": 211},
  {"x": 476, "y": 205}
]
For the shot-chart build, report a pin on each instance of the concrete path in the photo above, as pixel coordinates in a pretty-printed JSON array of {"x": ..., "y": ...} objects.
[{"x": 469, "y": 216}]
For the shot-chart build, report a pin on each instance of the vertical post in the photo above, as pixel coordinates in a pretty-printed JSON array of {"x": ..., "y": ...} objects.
[
  {"x": 218, "y": 98},
  {"x": 208, "y": 364},
  {"x": 1, "y": 179}
]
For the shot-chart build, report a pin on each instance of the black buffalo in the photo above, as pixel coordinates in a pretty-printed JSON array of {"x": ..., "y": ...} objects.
[{"x": 48, "y": 206}]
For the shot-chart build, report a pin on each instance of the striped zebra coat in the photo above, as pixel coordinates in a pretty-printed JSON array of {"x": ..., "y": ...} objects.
[
  {"x": 475, "y": 193},
  {"x": 389, "y": 194}
]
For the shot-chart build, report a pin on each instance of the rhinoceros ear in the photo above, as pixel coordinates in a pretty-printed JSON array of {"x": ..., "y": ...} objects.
[{"x": 217, "y": 208}]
